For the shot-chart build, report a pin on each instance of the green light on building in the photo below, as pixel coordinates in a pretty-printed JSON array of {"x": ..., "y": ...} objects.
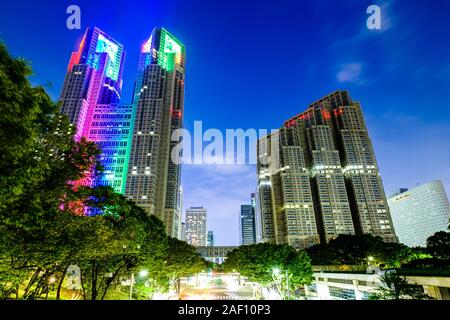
[{"x": 171, "y": 51}]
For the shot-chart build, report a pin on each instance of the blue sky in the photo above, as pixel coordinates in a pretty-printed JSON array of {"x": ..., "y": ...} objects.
[{"x": 254, "y": 64}]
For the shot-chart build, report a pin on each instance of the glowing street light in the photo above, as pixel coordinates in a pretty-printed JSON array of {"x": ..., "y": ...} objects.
[
  {"x": 277, "y": 271},
  {"x": 143, "y": 273}
]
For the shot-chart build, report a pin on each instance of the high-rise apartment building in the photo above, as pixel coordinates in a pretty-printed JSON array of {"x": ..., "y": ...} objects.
[
  {"x": 247, "y": 222},
  {"x": 210, "y": 239},
  {"x": 153, "y": 178},
  {"x": 90, "y": 98},
  {"x": 196, "y": 226},
  {"x": 419, "y": 213},
  {"x": 318, "y": 177}
]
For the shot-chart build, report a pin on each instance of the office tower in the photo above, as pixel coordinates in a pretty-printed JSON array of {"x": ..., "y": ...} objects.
[
  {"x": 318, "y": 177},
  {"x": 183, "y": 232},
  {"x": 90, "y": 98},
  {"x": 367, "y": 199},
  {"x": 210, "y": 239},
  {"x": 196, "y": 226},
  {"x": 264, "y": 190},
  {"x": 284, "y": 185},
  {"x": 253, "y": 201},
  {"x": 397, "y": 191},
  {"x": 419, "y": 213},
  {"x": 247, "y": 224},
  {"x": 258, "y": 225},
  {"x": 153, "y": 178},
  {"x": 256, "y": 209}
]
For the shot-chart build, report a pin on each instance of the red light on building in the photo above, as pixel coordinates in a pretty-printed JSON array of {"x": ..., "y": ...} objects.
[
  {"x": 176, "y": 114},
  {"x": 326, "y": 115}
]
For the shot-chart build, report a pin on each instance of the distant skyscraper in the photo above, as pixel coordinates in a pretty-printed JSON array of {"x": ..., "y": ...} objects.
[
  {"x": 90, "y": 98},
  {"x": 196, "y": 226},
  {"x": 247, "y": 222},
  {"x": 318, "y": 177},
  {"x": 210, "y": 240},
  {"x": 183, "y": 232},
  {"x": 419, "y": 213},
  {"x": 153, "y": 178}
]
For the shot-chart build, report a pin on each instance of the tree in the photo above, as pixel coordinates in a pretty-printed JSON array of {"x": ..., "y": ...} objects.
[
  {"x": 438, "y": 245},
  {"x": 356, "y": 250},
  {"x": 182, "y": 260},
  {"x": 38, "y": 156},
  {"x": 257, "y": 262},
  {"x": 41, "y": 230},
  {"x": 395, "y": 287}
]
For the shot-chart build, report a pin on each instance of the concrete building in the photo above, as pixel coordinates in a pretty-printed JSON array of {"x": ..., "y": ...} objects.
[
  {"x": 359, "y": 286},
  {"x": 318, "y": 177},
  {"x": 196, "y": 226},
  {"x": 419, "y": 213},
  {"x": 153, "y": 177},
  {"x": 210, "y": 239}
]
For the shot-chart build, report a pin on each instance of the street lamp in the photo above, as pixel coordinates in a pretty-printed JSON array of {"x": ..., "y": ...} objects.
[
  {"x": 277, "y": 271},
  {"x": 142, "y": 274}
]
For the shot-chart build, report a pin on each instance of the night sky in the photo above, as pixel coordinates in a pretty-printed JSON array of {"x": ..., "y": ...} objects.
[{"x": 254, "y": 64}]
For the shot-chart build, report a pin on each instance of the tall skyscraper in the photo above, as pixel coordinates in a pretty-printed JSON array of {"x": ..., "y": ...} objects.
[
  {"x": 153, "y": 178},
  {"x": 196, "y": 226},
  {"x": 210, "y": 239},
  {"x": 90, "y": 98},
  {"x": 419, "y": 213},
  {"x": 258, "y": 217},
  {"x": 284, "y": 189},
  {"x": 318, "y": 177}
]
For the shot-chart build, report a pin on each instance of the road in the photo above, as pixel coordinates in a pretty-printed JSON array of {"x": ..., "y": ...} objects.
[{"x": 217, "y": 287}]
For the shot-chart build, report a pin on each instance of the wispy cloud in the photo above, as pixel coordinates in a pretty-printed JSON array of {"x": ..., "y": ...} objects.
[
  {"x": 349, "y": 72},
  {"x": 364, "y": 56}
]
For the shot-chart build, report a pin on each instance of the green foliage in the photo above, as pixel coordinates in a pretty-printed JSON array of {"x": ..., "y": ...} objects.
[
  {"x": 38, "y": 156},
  {"x": 181, "y": 261},
  {"x": 257, "y": 262},
  {"x": 356, "y": 250},
  {"x": 438, "y": 245},
  {"x": 396, "y": 287},
  {"x": 41, "y": 230}
]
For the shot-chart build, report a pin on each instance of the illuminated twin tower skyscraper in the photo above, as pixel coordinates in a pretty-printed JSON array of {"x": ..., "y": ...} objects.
[
  {"x": 135, "y": 139},
  {"x": 318, "y": 177}
]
